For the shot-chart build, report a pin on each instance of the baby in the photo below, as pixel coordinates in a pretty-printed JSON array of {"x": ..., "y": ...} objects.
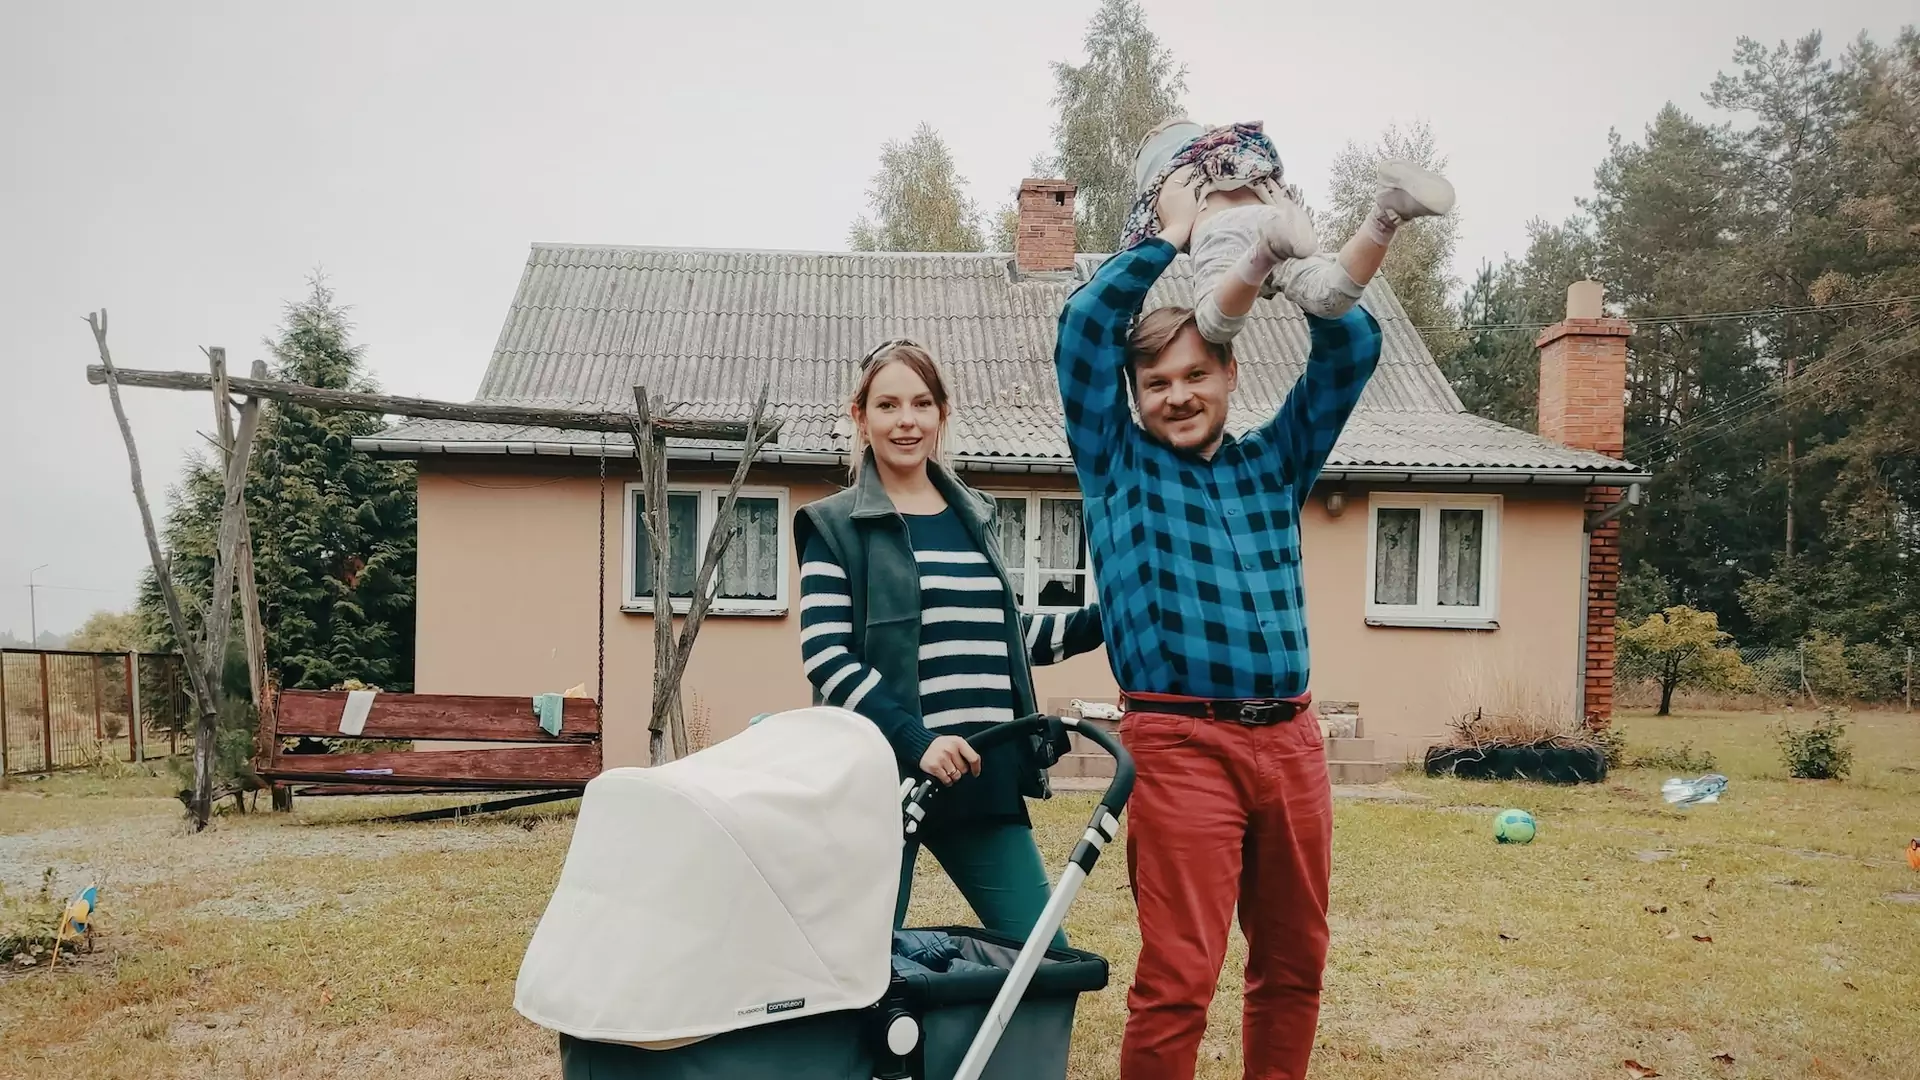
[{"x": 1252, "y": 236}]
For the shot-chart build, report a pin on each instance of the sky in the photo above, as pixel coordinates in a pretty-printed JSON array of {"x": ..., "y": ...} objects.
[{"x": 188, "y": 167}]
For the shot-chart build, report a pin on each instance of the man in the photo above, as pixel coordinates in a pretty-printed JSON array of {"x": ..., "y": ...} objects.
[{"x": 1196, "y": 543}]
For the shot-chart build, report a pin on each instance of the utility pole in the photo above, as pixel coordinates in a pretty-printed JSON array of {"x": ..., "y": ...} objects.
[{"x": 33, "y": 607}]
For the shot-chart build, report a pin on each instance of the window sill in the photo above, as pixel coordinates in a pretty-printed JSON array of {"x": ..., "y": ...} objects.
[
  {"x": 1428, "y": 622},
  {"x": 727, "y": 610}
]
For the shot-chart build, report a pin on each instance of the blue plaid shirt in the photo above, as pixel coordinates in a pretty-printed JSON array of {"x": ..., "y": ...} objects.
[{"x": 1198, "y": 561}]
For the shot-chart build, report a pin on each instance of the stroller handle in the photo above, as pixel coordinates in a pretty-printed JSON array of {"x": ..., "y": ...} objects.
[{"x": 1112, "y": 802}]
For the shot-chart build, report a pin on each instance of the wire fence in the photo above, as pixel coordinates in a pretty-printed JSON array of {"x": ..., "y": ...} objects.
[
  {"x": 61, "y": 709},
  {"x": 1818, "y": 671}
]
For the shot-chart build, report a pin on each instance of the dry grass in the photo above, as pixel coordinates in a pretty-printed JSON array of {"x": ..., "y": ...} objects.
[{"x": 317, "y": 947}]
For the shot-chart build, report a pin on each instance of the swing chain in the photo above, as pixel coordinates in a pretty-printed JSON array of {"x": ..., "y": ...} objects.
[{"x": 600, "y": 598}]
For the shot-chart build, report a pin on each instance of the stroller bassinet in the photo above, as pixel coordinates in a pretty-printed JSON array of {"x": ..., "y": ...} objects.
[{"x": 730, "y": 915}]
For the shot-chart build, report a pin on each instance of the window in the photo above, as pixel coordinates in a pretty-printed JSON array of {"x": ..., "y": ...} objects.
[
  {"x": 1043, "y": 540},
  {"x": 1433, "y": 560},
  {"x": 752, "y": 577}
]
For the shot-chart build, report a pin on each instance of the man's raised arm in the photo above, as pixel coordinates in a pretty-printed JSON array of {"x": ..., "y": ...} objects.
[{"x": 1090, "y": 353}]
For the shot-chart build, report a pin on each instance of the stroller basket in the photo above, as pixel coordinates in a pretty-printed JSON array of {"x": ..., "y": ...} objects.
[
  {"x": 979, "y": 1005},
  {"x": 948, "y": 1009}
]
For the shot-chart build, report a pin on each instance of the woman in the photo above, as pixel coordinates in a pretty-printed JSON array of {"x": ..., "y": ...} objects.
[{"x": 907, "y": 617}]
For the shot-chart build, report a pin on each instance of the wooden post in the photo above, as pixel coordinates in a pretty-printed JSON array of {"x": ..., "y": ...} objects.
[
  {"x": 99, "y": 704},
  {"x": 173, "y": 699},
  {"x": 6, "y": 741},
  {"x": 133, "y": 707},
  {"x": 668, "y": 723},
  {"x": 46, "y": 718},
  {"x": 650, "y": 448},
  {"x": 202, "y": 808}
]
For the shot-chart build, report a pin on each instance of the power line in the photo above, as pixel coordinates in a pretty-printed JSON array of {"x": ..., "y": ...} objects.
[
  {"x": 1823, "y": 376},
  {"x": 1697, "y": 317}
]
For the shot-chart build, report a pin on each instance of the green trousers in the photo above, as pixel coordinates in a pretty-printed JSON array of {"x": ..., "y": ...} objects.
[{"x": 997, "y": 868}]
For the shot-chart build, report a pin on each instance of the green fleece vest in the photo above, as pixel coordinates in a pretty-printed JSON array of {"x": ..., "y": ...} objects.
[{"x": 866, "y": 533}]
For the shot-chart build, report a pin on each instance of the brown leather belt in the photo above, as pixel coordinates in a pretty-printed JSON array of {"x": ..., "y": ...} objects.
[{"x": 1254, "y": 712}]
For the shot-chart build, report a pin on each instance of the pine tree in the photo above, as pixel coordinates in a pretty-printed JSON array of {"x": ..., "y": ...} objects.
[{"x": 332, "y": 528}]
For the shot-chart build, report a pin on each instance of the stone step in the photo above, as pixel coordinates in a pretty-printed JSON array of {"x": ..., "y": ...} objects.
[
  {"x": 1357, "y": 772},
  {"x": 1350, "y": 750}
]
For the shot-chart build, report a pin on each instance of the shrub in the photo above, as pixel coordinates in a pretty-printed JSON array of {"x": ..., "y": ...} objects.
[
  {"x": 1819, "y": 752},
  {"x": 1681, "y": 759}
]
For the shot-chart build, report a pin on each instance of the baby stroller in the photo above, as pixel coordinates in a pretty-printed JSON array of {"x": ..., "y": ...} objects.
[{"x": 731, "y": 915}]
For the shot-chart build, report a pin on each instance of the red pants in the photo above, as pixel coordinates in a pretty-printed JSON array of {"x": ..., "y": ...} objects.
[{"x": 1222, "y": 814}]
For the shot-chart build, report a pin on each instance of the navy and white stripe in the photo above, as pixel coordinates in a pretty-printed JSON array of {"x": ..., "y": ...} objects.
[{"x": 965, "y": 672}]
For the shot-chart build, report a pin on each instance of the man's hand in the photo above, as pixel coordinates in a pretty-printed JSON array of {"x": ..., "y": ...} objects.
[
  {"x": 1178, "y": 206},
  {"x": 948, "y": 758}
]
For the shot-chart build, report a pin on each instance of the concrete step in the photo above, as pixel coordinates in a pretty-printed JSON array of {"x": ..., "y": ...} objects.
[
  {"x": 1097, "y": 765},
  {"x": 1357, "y": 772},
  {"x": 1350, "y": 750}
]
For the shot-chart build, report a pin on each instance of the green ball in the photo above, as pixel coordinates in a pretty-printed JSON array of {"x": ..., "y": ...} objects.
[{"x": 1513, "y": 827}]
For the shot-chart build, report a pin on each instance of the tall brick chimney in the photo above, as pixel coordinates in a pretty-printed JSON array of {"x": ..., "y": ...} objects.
[
  {"x": 1045, "y": 239},
  {"x": 1583, "y": 404}
]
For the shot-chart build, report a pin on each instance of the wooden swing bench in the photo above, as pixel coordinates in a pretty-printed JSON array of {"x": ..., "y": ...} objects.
[{"x": 555, "y": 766}]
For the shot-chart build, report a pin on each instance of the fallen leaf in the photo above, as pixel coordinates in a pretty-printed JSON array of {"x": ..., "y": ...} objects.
[
  {"x": 1673, "y": 935},
  {"x": 1508, "y": 937},
  {"x": 1723, "y": 1059},
  {"x": 1710, "y": 882},
  {"x": 1849, "y": 986},
  {"x": 1661, "y": 910},
  {"x": 326, "y": 996},
  {"x": 1705, "y": 939},
  {"x": 1639, "y": 1071}
]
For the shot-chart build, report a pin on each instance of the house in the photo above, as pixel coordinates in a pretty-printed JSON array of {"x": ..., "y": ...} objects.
[{"x": 1449, "y": 557}]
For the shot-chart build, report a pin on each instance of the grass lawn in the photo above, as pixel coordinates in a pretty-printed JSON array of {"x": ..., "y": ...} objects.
[{"x": 315, "y": 946}]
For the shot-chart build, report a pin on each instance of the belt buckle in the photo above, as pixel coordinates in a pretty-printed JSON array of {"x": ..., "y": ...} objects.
[{"x": 1260, "y": 714}]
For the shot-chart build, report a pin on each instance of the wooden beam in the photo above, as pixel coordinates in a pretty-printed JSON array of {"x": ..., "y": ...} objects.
[
  {"x": 516, "y": 415},
  {"x": 476, "y": 718},
  {"x": 521, "y": 766}
]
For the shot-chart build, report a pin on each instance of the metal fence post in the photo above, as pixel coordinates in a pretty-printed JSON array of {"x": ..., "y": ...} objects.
[
  {"x": 133, "y": 707},
  {"x": 1909, "y": 678},
  {"x": 1800, "y": 649},
  {"x": 6, "y": 741},
  {"x": 99, "y": 705},
  {"x": 46, "y": 717}
]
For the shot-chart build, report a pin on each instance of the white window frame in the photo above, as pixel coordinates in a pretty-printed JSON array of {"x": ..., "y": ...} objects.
[
  {"x": 710, "y": 496},
  {"x": 1428, "y": 612},
  {"x": 1029, "y": 568}
]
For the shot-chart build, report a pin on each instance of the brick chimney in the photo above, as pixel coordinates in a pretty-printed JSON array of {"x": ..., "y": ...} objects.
[
  {"x": 1044, "y": 240},
  {"x": 1583, "y": 404}
]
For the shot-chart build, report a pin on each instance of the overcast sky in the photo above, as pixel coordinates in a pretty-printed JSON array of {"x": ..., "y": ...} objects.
[{"x": 187, "y": 166}]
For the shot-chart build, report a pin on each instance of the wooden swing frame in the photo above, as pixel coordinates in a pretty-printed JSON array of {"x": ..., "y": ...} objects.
[{"x": 519, "y": 755}]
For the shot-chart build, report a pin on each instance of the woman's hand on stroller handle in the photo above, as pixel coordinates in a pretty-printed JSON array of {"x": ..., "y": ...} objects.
[{"x": 949, "y": 758}]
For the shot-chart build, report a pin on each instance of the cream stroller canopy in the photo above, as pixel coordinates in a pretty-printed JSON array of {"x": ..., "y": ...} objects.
[{"x": 750, "y": 883}]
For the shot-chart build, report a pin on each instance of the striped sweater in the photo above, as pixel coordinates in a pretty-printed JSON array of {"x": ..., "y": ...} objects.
[{"x": 965, "y": 673}]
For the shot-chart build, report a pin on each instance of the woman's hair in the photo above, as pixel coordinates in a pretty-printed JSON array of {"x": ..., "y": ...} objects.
[{"x": 917, "y": 360}]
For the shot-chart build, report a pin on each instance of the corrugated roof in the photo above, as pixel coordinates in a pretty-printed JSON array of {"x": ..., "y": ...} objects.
[{"x": 705, "y": 328}]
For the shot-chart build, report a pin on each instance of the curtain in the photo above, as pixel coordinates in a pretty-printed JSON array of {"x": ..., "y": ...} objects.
[
  {"x": 750, "y": 570},
  {"x": 1013, "y": 543},
  {"x": 1063, "y": 553},
  {"x": 683, "y": 535},
  {"x": 1460, "y": 542},
  {"x": 1396, "y": 558}
]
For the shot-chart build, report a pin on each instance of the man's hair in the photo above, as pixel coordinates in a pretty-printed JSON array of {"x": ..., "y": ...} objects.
[{"x": 1155, "y": 330}]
